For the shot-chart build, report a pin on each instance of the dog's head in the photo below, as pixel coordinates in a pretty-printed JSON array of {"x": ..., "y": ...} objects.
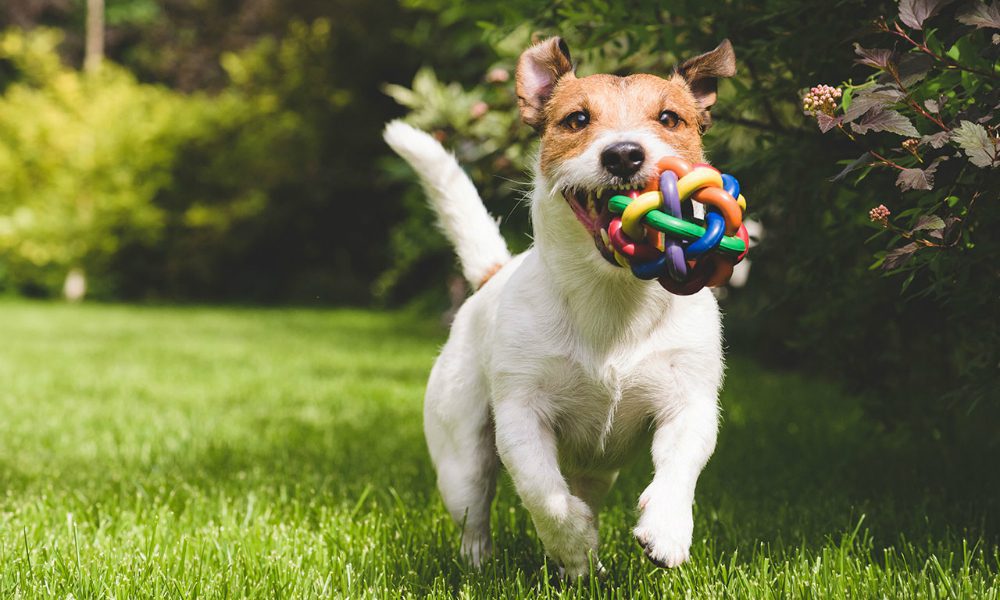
[{"x": 603, "y": 134}]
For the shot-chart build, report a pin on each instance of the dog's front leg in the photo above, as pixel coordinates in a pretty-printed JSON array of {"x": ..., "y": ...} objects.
[
  {"x": 528, "y": 449},
  {"x": 682, "y": 444}
]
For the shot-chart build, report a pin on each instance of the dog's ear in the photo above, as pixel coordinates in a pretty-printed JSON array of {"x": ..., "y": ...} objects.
[
  {"x": 538, "y": 70},
  {"x": 702, "y": 75}
]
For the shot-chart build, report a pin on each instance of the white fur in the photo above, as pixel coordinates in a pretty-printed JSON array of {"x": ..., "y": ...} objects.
[
  {"x": 561, "y": 366},
  {"x": 456, "y": 202}
]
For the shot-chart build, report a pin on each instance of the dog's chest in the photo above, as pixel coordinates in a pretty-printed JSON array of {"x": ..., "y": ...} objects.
[{"x": 602, "y": 412}]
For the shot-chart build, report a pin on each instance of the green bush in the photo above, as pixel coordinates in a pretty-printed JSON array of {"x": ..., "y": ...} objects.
[
  {"x": 81, "y": 159},
  {"x": 263, "y": 191},
  {"x": 90, "y": 160}
]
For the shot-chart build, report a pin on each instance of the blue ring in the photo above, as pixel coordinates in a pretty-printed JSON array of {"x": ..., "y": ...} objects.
[
  {"x": 731, "y": 185},
  {"x": 715, "y": 228},
  {"x": 650, "y": 269}
]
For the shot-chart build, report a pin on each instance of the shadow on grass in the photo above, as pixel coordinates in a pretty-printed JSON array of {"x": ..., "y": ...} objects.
[{"x": 798, "y": 461}]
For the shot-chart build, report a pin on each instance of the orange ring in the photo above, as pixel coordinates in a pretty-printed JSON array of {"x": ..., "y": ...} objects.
[
  {"x": 724, "y": 203},
  {"x": 678, "y": 165}
]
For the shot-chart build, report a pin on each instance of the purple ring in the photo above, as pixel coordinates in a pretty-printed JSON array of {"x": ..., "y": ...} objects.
[
  {"x": 668, "y": 189},
  {"x": 676, "y": 265}
]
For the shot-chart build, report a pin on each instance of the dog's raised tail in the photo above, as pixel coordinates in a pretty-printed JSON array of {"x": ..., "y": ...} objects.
[{"x": 461, "y": 215}]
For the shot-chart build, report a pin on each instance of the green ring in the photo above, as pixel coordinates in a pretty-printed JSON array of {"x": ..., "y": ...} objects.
[{"x": 675, "y": 227}]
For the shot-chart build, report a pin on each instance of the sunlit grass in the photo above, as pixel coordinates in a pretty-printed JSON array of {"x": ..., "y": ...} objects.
[{"x": 184, "y": 452}]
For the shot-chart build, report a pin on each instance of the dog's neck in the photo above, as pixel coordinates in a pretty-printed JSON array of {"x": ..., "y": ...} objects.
[{"x": 607, "y": 305}]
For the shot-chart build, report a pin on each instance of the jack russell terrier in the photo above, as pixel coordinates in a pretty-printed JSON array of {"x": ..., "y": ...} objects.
[{"x": 563, "y": 365}]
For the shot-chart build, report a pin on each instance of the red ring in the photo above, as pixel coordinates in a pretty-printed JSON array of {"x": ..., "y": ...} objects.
[
  {"x": 706, "y": 165},
  {"x": 745, "y": 236},
  {"x": 722, "y": 270},
  {"x": 628, "y": 248},
  {"x": 684, "y": 288}
]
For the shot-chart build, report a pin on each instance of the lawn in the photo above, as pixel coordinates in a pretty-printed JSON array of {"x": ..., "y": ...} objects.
[{"x": 232, "y": 452}]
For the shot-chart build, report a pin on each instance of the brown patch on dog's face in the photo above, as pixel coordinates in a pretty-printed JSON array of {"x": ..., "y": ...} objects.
[{"x": 664, "y": 108}]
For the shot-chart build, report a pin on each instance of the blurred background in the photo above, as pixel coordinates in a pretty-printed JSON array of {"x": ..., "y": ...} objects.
[{"x": 215, "y": 151}]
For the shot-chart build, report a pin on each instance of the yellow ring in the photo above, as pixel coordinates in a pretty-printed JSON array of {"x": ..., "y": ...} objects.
[
  {"x": 621, "y": 259},
  {"x": 742, "y": 202},
  {"x": 698, "y": 178},
  {"x": 635, "y": 211}
]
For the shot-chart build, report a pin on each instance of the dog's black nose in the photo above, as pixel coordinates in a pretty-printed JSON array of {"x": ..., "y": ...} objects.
[{"x": 623, "y": 159}]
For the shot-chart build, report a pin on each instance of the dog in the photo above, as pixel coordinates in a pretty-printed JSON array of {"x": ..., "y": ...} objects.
[{"x": 563, "y": 365}]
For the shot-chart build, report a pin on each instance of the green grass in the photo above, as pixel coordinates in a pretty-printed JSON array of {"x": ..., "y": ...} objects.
[{"x": 186, "y": 452}]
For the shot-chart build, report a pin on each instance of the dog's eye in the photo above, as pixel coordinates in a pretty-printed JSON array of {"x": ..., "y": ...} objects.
[
  {"x": 576, "y": 120},
  {"x": 669, "y": 119}
]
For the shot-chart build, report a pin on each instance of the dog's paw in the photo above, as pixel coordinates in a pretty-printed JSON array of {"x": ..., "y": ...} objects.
[
  {"x": 476, "y": 549},
  {"x": 665, "y": 553},
  {"x": 574, "y": 574},
  {"x": 568, "y": 532},
  {"x": 664, "y": 531}
]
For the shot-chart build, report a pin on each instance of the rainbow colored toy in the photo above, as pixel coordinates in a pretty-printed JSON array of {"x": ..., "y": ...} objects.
[{"x": 657, "y": 237}]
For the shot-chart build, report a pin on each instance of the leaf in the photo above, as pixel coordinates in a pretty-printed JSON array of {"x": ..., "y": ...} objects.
[
  {"x": 915, "y": 179},
  {"x": 913, "y": 68},
  {"x": 885, "y": 120},
  {"x": 952, "y": 226},
  {"x": 878, "y": 58},
  {"x": 915, "y": 12},
  {"x": 936, "y": 140},
  {"x": 878, "y": 96},
  {"x": 896, "y": 258},
  {"x": 919, "y": 179},
  {"x": 826, "y": 122},
  {"x": 864, "y": 173},
  {"x": 932, "y": 105},
  {"x": 977, "y": 143},
  {"x": 854, "y": 165},
  {"x": 932, "y": 224},
  {"x": 982, "y": 15},
  {"x": 928, "y": 222}
]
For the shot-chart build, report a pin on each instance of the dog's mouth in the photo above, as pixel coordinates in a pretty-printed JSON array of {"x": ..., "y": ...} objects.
[{"x": 591, "y": 209}]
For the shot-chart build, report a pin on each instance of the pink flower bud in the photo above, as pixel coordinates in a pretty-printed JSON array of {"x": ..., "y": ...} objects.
[{"x": 880, "y": 214}]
